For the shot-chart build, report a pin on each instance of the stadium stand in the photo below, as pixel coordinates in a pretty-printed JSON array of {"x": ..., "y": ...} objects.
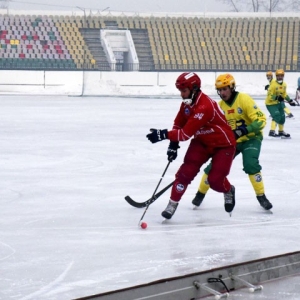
[{"x": 161, "y": 43}]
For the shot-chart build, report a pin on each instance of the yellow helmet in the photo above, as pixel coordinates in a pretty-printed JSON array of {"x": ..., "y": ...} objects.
[
  {"x": 224, "y": 80},
  {"x": 269, "y": 73},
  {"x": 279, "y": 72}
]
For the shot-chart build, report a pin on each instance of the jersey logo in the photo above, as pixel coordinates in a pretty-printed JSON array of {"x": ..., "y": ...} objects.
[
  {"x": 240, "y": 111},
  {"x": 179, "y": 187},
  {"x": 186, "y": 111},
  {"x": 205, "y": 131},
  {"x": 230, "y": 111},
  {"x": 198, "y": 116},
  {"x": 258, "y": 178}
]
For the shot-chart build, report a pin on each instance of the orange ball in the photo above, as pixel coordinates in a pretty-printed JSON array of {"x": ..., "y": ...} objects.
[{"x": 144, "y": 225}]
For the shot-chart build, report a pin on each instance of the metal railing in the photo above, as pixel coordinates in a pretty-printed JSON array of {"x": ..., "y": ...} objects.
[{"x": 150, "y": 67}]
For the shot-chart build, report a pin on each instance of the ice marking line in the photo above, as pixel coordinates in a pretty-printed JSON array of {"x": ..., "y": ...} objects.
[
  {"x": 13, "y": 251},
  {"x": 34, "y": 221},
  {"x": 169, "y": 224},
  {"x": 50, "y": 285},
  {"x": 264, "y": 222}
]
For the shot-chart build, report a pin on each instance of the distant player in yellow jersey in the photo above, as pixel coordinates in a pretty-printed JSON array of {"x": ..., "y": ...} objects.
[
  {"x": 247, "y": 122},
  {"x": 275, "y": 104},
  {"x": 269, "y": 76}
]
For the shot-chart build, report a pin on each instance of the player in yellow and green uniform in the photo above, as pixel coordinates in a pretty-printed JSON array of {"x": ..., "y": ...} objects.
[
  {"x": 247, "y": 122},
  {"x": 275, "y": 104},
  {"x": 289, "y": 114}
]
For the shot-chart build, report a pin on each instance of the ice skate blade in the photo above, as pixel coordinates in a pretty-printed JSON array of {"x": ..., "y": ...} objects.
[
  {"x": 165, "y": 221},
  {"x": 195, "y": 207},
  {"x": 285, "y": 138}
]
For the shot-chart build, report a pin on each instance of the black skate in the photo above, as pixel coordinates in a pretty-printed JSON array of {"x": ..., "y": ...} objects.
[
  {"x": 198, "y": 199},
  {"x": 284, "y": 135},
  {"x": 272, "y": 133},
  {"x": 290, "y": 116},
  {"x": 229, "y": 199},
  {"x": 170, "y": 210},
  {"x": 264, "y": 202}
]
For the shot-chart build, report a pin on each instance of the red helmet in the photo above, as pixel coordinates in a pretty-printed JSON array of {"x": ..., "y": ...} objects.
[{"x": 188, "y": 80}]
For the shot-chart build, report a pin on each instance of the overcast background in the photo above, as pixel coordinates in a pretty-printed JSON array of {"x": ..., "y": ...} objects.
[{"x": 118, "y": 5}]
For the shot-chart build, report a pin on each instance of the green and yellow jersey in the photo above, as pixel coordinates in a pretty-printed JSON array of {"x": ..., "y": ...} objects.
[
  {"x": 243, "y": 110},
  {"x": 276, "y": 89}
]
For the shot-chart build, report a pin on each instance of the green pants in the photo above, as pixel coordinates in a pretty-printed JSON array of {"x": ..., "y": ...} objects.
[
  {"x": 250, "y": 151},
  {"x": 277, "y": 112}
]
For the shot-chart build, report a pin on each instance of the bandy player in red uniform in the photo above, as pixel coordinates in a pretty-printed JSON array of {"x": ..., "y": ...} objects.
[{"x": 201, "y": 119}]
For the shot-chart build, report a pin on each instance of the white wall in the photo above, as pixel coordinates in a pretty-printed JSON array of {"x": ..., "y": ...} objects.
[{"x": 124, "y": 83}]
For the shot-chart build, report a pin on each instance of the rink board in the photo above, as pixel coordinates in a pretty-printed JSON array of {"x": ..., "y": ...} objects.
[{"x": 248, "y": 277}]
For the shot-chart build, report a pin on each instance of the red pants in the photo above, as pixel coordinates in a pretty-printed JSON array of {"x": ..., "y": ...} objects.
[{"x": 195, "y": 157}]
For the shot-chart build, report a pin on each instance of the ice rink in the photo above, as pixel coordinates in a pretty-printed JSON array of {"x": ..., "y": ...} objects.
[{"x": 66, "y": 231}]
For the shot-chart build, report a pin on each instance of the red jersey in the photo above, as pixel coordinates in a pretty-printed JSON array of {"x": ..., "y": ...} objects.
[{"x": 205, "y": 121}]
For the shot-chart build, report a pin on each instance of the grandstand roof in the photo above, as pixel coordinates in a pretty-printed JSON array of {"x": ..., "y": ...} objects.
[{"x": 76, "y": 11}]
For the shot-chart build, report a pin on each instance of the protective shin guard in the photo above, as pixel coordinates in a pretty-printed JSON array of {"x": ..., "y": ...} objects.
[
  {"x": 178, "y": 190},
  {"x": 273, "y": 125},
  {"x": 257, "y": 183},
  {"x": 204, "y": 185}
]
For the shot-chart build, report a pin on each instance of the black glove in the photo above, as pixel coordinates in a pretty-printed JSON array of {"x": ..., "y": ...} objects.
[
  {"x": 157, "y": 135},
  {"x": 292, "y": 103},
  {"x": 172, "y": 151},
  {"x": 266, "y": 87},
  {"x": 240, "y": 129},
  {"x": 280, "y": 98}
]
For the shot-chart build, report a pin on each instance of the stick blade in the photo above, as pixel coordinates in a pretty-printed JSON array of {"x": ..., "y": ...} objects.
[
  {"x": 134, "y": 203},
  {"x": 149, "y": 201}
]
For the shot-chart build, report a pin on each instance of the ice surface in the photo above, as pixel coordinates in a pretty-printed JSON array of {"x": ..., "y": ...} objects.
[{"x": 66, "y": 230}]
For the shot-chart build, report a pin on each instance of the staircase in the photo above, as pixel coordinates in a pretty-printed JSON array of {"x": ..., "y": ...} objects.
[
  {"x": 91, "y": 37},
  {"x": 143, "y": 49},
  {"x": 140, "y": 38}
]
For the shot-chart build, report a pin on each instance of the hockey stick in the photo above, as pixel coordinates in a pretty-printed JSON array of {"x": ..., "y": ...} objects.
[
  {"x": 162, "y": 176},
  {"x": 149, "y": 201}
]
